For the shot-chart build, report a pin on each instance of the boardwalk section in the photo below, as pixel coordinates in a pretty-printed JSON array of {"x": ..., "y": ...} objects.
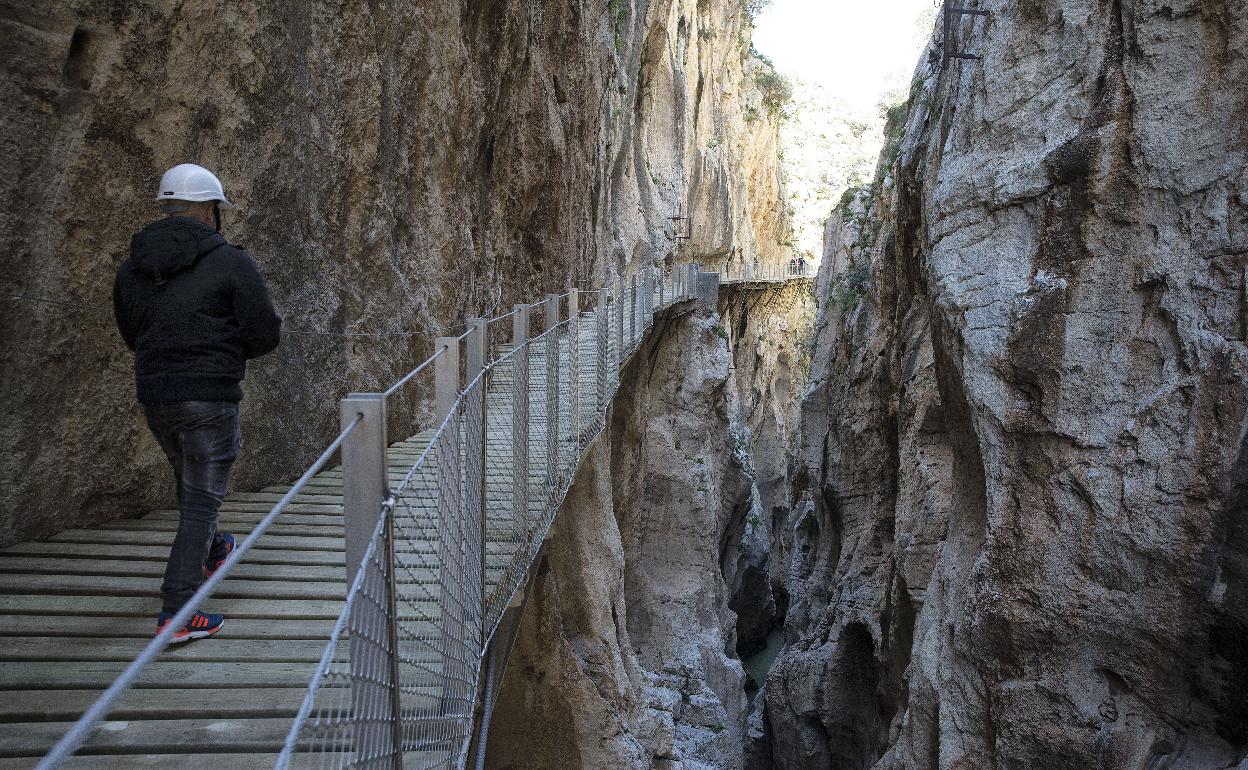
[{"x": 391, "y": 655}]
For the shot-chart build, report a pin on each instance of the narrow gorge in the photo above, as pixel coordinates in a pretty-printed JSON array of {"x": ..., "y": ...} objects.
[{"x": 978, "y": 500}]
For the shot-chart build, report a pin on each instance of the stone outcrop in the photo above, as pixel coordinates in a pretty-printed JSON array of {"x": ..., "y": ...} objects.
[
  {"x": 399, "y": 167},
  {"x": 1023, "y": 538}
]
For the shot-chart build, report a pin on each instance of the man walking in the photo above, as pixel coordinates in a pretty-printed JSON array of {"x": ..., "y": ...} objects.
[{"x": 194, "y": 309}]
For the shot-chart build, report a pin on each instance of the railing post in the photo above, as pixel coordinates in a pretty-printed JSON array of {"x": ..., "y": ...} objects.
[
  {"x": 373, "y": 631},
  {"x": 603, "y": 319},
  {"x": 520, "y": 418},
  {"x": 452, "y": 558},
  {"x": 574, "y": 354},
  {"x": 647, "y": 297},
  {"x": 550, "y": 319},
  {"x": 364, "y": 483},
  {"x": 477, "y": 442},
  {"x": 619, "y": 323},
  {"x": 634, "y": 312}
]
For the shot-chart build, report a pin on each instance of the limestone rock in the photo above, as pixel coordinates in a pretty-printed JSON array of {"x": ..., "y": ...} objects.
[
  {"x": 399, "y": 168},
  {"x": 1024, "y": 436}
]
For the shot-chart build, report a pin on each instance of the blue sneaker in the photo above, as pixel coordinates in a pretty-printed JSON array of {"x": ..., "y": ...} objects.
[
  {"x": 201, "y": 626},
  {"x": 218, "y": 556}
]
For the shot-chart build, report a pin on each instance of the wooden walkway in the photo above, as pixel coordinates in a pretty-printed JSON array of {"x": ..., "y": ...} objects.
[{"x": 77, "y": 607}]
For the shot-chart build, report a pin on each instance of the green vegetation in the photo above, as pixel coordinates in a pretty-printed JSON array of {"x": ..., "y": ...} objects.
[
  {"x": 752, "y": 8},
  {"x": 895, "y": 118},
  {"x": 777, "y": 91},
  {"x": 806, "y": 342},
  {"x": 619, "y": 14},
  {"x": 717, "y": 729},
  {"x": 655, "y": 179},
  {"x": 851, "y": 286},
  {"x": 856, "y": 186},
  {"x": 721, "y": 331},
  {"x": 618, "y": 10}
]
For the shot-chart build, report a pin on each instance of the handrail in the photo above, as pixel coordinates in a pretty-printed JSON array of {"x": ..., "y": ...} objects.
[{"x": 78, "y": 734}]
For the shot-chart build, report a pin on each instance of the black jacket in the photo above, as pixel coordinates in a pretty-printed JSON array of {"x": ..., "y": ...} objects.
[{"x": 194, "y": 309}]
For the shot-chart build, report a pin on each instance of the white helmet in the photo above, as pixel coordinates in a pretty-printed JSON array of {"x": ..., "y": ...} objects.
[{"x": 188, "y": 182}]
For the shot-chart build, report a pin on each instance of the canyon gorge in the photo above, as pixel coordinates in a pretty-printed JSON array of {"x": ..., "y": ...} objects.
[{"x": 975, "y": 497}]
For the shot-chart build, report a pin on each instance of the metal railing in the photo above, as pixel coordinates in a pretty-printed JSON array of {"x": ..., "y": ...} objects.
[
  {"x": 766, "y": 274},
  {"x": 444, "y": 556},
  {"x": 441, "y": 530}
]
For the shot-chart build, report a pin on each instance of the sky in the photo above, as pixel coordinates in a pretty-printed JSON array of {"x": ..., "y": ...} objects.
[{"x": 858, "y": 49}]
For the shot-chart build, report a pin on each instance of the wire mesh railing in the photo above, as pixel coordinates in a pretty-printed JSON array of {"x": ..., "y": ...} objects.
[
  {"x": 441, "y": 530},
  {"x": 450, "y": 548},
  {"x": 795, "y": 269}
]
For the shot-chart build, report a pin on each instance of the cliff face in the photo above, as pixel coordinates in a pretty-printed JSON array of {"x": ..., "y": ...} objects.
[
  {"x": 399, "y": 167},
  {"x": 1026, "y": 542}
]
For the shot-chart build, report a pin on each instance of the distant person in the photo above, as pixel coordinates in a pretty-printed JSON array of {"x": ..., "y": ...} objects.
[{"x": 194, "y": 309}]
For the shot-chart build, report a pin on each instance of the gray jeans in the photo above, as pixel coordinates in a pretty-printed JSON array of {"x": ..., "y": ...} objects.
[{"x": 201, "y": 440}]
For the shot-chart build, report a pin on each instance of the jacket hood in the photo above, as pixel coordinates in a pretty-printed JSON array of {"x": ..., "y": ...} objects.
[{"x": 169, "y": 246}]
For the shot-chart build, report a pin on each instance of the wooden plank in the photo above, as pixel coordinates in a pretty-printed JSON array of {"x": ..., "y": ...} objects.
[
  {"x": 145, "y": 607},
  {"x": 190, "y": 736},
  {"x": 273, "y": 497},
  {"x": 257, "y": 555},
  {"x": 155, "y": 569},
  {"x": 102, "y": 536},
  {"x": 68, "y": 705},
  {"x": 144, "y": 627},
  {"x": 239, "y": 529},
  {"x": 225, "y": 516},
  {"x": 163, "y": 673},
  {"x": 172, "y": 674},
  {"x": 232, "y": 588},
  {"x": 117, "y": 649},
  {"x": 164, "y": 761}
]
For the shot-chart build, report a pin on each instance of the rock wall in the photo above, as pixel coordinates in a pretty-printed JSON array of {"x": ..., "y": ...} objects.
[
  {"x": 399, "y": 166},
  {"x": 657, "y": 574},
  {"x": 1025, "y": 543}
]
